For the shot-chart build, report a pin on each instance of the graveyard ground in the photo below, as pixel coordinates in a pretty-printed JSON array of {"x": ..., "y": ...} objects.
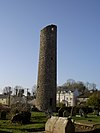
[{"x": 38, "y": 120}]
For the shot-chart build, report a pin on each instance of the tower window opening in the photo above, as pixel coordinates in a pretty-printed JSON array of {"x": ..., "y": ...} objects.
[
  {"x": 50, "y": 101},
  {"x": 51, "y": 58},
  {"x": 52, "y": 29}
]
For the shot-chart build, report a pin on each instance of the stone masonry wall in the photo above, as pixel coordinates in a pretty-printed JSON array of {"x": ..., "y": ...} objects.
[{"x": 47, "y": 72}]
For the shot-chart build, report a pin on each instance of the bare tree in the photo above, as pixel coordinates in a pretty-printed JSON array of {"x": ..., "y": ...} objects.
[
  {"x": 19, "y": 91},
  {"x": 7, "y": 91},
  {"x": 34, "y": 90}
]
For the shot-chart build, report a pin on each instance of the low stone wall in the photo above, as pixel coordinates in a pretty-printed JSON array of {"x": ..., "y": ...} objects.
[
  {"x": 86, "y": 127},
  {"x": 59, "y": 125},
  {"x": 64, "y": 125}
]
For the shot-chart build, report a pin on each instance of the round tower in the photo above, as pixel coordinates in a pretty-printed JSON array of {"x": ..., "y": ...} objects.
[{"x": 47, "y": 69}]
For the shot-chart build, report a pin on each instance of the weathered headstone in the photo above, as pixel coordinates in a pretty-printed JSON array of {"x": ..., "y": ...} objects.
[
  {"x": 3, "y": 115},
  {"x": 81, "y": 112},
  {"x": 60, "y": 112},
  {"x": 59, "y": 125},
  {"x": 65, "y": 113}
]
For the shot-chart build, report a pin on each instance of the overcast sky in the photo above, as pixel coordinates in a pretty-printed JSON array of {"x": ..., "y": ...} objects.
[{"x": 78, "y": 47}]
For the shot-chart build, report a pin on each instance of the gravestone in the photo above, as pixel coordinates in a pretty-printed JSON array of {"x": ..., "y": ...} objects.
[
  {"x": 65, "y": 113},
  {"x": 59, "y": 125},
  {"x": 3, "y": 115},
  {"x": 60, "y": 112}
]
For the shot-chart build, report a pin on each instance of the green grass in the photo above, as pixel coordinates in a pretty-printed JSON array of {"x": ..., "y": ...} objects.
[
  {"x": 91, "y": 119},
  {"x": 38, "y": 120}
]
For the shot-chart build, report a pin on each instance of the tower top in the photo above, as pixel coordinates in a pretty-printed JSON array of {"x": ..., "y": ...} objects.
[{"x": 49, "y": 26}]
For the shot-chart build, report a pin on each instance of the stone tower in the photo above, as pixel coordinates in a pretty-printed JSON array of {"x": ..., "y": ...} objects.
[{"x": 47, "y": 69}]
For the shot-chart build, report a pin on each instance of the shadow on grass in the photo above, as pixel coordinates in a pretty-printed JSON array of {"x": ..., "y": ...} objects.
[
  {"x": 23, "y": 130},
  {"x": 38, "y": 117},
  {"x": 94, "y": 131},
  {"x": 5, "y": 131},
  {"x": 37, "y": 122},
  {"x": 33, "y": 130}
]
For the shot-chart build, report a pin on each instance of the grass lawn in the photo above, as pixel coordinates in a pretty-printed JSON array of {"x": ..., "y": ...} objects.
[
  {"x": 91, "y": 119},
  {"x": 38, "y": 120}
]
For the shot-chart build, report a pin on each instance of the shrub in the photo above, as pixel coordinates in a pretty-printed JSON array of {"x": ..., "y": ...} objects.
[
  {"x": 23, "y": 117},
  {"x": 19, "y": 107}
]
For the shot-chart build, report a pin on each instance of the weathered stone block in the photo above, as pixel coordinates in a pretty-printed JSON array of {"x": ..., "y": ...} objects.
[
  {"x": 59, "y": 125},
  {"x": 49, "y": 126}
]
